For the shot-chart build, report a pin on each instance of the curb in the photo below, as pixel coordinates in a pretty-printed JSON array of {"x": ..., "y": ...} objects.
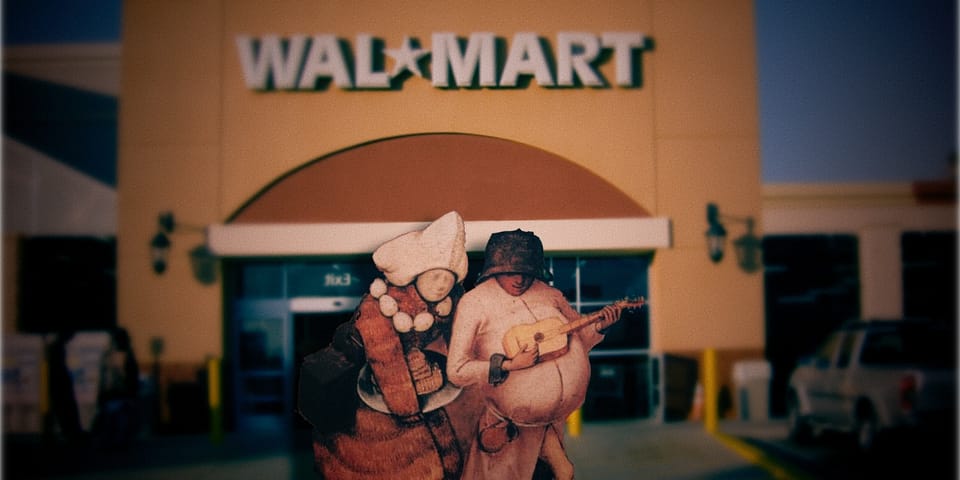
[{"x": 757, "y": 456}]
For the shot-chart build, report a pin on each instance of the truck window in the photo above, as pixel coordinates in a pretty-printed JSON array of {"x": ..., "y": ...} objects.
[
  {"x": 824, "y": 356},
  {"x": 909, "y": 346},
  {"x": 846, "y": 350}
]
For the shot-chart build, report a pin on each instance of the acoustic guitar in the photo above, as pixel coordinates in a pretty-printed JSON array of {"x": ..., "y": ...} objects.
[{"x": 552, "y": 334}]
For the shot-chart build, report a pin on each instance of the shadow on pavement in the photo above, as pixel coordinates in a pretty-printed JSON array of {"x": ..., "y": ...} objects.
[{"x": 31, "y": 456}]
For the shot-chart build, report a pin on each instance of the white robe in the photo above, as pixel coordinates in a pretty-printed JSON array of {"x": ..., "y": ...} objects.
[{"x": 534, "y": 398}]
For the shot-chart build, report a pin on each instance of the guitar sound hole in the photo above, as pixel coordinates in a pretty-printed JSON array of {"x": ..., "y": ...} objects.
[{"x": 538, "y": 337}]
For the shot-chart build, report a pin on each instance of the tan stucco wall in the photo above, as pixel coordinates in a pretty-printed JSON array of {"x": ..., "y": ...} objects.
[{"x": 195, "y": 140}]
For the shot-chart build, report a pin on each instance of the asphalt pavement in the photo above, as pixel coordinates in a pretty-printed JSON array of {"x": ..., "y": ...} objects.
[{"x": 609, "y": 450}]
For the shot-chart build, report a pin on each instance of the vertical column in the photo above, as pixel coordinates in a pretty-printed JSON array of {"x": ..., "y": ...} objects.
[{"x": 881, "y": 272}]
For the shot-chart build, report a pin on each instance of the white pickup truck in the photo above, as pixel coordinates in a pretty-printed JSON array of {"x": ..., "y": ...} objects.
[{"x": 873, "y": 377}]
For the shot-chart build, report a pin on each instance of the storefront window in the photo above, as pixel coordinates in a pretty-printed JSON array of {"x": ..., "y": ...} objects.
[
  {"x": 623, "y": 382},
  {"x": 564, "y": 272},
  {"x": 929, "y": 275},
  {"x": 607, "y": 279},
  {"x": 325, "y": 279},
  {"x": 273, "y": 332},
  {"x": 589, "y": 283},
  {"x": 261, "y": 280}
]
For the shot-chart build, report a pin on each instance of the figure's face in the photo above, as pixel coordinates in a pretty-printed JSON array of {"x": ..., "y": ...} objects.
[
  {"x": 514, "y": 283},
  {"x": 434, "y": 285}
]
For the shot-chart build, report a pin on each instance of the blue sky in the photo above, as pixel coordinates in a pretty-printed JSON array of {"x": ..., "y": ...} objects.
[
  {"x": 850, "y": 90},
  {"x": 856, "y": 90}
]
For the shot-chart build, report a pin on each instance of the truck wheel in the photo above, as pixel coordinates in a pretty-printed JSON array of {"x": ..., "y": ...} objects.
[{"x": 866, "y": 430}]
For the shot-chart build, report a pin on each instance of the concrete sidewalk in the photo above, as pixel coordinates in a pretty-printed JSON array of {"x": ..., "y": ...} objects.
[
  {"x": 624, "y": 449},
  {"x": 684, "y": 450}
]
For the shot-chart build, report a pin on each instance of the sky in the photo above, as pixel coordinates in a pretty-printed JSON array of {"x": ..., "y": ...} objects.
[
  {"x": 849, "y": 90},
  {"x": 857, "y": 90}
]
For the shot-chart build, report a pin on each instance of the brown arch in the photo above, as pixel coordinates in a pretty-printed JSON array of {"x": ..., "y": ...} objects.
[{"x": 421, "y": 177}]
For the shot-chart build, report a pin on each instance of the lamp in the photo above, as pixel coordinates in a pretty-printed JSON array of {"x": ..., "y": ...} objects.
[
  {"x": 204, "y": 264},
  {"x": 747, "y": 246},
  {"x": 160, "y": 245},
  {"x": 716, "y": 233},
  {"x": 202, "y": 260}
]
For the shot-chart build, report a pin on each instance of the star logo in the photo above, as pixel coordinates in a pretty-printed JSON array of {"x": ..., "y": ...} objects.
[{"x": 406, "y": 58}]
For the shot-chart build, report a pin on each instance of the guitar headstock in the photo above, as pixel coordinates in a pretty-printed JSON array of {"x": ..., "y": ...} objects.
[{"x": 631, "y": 302}]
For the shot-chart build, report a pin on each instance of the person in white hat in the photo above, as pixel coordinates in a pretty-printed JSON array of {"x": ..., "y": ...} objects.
[{"x": 398, "y": 335}]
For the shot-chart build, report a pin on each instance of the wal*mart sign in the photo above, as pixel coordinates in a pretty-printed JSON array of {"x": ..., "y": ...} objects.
[{"x": 302, "y": 62}]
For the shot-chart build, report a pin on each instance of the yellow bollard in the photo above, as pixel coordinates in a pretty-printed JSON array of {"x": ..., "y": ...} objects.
[
  {"x": 213, "y": 399},
  {"x": 44, "y": 387},
  {"x": 710, "y": 390},
  {"x": 45, "y": 414},
  {"x": 575, "y": 423}
]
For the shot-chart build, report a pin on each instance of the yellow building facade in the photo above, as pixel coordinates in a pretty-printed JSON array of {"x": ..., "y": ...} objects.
[{"x": 295, "y": 129}]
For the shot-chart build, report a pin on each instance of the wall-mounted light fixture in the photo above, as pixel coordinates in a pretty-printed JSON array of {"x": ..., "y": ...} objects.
[
  {"x": 202, "y": 261},
  {"x": 160, "y": 245},
  {"x": 747, "y": 246}
]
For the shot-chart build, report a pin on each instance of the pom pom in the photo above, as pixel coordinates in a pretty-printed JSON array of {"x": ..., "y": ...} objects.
[
  {"x": 445, "y": 307},
  {"x": 402, "y": 322},
  {"x": 377, "y": 288},
  {"x": 423, "y": 321},
  {"x": 388, "y": 306}
]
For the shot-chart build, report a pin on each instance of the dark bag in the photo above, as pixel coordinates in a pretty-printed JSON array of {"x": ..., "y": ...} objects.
[{"x": 327, "y": 394}]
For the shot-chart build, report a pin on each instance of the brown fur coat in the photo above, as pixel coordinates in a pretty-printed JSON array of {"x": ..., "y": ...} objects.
[{"x": 354, "y": 441}]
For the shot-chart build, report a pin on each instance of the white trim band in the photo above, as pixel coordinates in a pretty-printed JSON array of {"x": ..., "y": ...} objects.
[{"x": 568, "y": 235}]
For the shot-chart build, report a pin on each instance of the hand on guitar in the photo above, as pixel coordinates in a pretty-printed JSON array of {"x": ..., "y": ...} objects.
[
  {"x": 549, "y": 335},
  {"x": 526, "y": 358},
  {"x": 608, "y": 315}
]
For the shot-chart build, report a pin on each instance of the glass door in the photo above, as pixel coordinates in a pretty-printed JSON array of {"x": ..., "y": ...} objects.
[
  {"x": 262, "y": 367},
  {"x": 624, "y": 382}
]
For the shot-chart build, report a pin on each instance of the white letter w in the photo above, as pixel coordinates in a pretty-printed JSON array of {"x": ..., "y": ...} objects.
[{"x": 257, "y": 70}]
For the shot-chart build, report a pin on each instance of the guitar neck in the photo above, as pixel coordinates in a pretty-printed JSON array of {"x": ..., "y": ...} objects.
[
  {"x": 579, "y": 323},
  {"x": 593, "y": 317}
]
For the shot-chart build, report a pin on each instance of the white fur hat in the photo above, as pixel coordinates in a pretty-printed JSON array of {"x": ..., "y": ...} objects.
[{"x": 441, "y": 245}]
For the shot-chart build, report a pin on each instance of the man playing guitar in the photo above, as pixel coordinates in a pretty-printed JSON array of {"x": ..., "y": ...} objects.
[{"x": 527, "y": 395}]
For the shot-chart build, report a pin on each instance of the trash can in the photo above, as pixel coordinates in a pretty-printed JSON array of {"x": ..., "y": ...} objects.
[{"x": 752, "y": 382}]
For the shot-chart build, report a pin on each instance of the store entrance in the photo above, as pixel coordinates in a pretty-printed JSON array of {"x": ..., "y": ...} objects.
[
  {"x": 280, "y": 310},
  {"x": 271, "y": 338},
  {"x": 283, "y": 310},
  {"x": 312, "y": 331}
]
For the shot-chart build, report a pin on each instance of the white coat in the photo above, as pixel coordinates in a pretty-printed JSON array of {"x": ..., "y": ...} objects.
[{"x": 534, "y": 398}]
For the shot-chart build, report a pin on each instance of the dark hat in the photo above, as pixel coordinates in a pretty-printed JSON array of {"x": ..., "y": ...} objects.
[{"x": 514, "y": 252}]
